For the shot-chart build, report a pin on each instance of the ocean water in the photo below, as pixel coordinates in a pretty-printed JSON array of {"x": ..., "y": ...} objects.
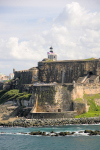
[{"x": 12, "y": 138}]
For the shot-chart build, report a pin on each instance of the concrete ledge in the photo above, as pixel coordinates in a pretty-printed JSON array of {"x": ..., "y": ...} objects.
[{"x": 52, "y": 115}]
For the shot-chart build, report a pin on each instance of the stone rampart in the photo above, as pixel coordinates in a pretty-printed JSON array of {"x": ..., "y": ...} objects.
[
  {"x": 81, "y": 89},
  {"x": 27, "y": 76},
  {"x": 63, "y": 97},
  {"x": 67, "y": 71},
  {"x": 69, "y": 114}
]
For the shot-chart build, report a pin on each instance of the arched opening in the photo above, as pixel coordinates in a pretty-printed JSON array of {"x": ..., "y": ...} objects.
[{"x": 90, "y": 73}]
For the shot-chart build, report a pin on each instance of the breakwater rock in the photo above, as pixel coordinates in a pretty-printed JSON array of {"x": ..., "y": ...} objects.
[
  {"x": 51, "y": 122},
  {"x": 66, "y": 133},
  {"x": 89, "y": 132}
]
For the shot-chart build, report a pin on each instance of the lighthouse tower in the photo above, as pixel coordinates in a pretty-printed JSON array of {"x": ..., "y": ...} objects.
[{"x": 52, "y": 55}]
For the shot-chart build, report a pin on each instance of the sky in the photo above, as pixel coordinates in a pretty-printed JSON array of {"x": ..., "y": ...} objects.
[{"x": 29, "y": 27}]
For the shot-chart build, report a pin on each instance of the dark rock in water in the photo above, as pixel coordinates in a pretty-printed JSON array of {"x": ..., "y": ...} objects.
[
  {"x": 37, "y": 133},
  {"x": 72, "y": 132},
  {"x": 90, "y": 132},
  {"x": 62, "y": 134},
  {"x": 31, "y": 133},
  {"x": 96, "y": 132},
  {"x": 48, "y": 134},
  {"x": 57, "y": 134},
  {"x": 52, "y": 132},
  {"x": 87, "y": 131},
  {"x": 68, "y": 133},
  {"x": 44, "y": 133}
]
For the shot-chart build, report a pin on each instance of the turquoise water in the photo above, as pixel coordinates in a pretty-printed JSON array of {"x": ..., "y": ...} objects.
[{"x": 12, "y": 139}]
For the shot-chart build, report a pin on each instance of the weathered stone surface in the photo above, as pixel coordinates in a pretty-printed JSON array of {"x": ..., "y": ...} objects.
[
  {"x": 27, "y": 76},
  {"x": 67, "y": 71}
]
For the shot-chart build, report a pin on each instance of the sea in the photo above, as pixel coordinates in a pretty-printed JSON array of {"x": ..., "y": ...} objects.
[{"x": 18, "y": 138}]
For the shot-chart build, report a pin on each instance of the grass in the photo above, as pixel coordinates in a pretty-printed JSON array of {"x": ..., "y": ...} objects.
[
  {"x": 89, "y": 114},
  {"x": 50, "y": 60},
  {"x": 13, "y": 94},
  {"x": 9, "y": 80},
  {"x": 94, "y": 110},
  {"x": 90, "y": 58}
]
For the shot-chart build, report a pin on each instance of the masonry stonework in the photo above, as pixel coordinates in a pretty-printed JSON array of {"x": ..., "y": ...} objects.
[
  {"x": 71, "y": 79},
  {"x": 27, "y": 76},
  {"x": 67, "y": 71}
]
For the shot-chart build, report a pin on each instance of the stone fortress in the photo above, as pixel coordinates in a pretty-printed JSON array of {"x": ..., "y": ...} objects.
[{"x": 56, "y": 86}]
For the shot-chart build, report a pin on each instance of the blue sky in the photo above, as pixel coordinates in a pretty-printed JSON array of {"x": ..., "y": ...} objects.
[{"x": 29, "y": 27}]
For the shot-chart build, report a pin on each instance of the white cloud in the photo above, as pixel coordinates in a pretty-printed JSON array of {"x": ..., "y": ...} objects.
[
  {"x": 76, "y": 17},
  {"x": 25, "y": 50},
  {"x": 74, "y": 34},
  {"x": 31, "y": 3}
]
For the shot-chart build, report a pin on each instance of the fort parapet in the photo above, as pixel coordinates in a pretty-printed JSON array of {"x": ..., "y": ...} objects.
[
  {"x": 68, "y": 70},
  {"x": 27, "y": 76}
]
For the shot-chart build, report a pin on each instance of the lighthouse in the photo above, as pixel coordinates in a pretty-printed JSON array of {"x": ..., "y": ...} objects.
[{"x": 52, "y": 55}]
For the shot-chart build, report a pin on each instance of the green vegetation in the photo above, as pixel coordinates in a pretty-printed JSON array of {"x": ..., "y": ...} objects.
[
  {"x": 89, "y": 114},
  {"x": 13, "y": 94},
  {"x": 94, "y": 110},
  {"x": 50, "y": 60},
  {"x": 9, "y": 80},
  {"x": 90, "y": 58}
]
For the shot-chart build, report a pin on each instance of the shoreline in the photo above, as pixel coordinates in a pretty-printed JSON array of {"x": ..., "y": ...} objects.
[{"x": 23, "y": 122}]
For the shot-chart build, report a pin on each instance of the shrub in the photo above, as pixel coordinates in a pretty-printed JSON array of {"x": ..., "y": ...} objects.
[{"x": 13, "y": 94}]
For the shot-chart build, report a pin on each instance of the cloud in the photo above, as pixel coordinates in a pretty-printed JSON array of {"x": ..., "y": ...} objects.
[
  {"x": 83, "y": 34},
  {"x": 11, "y": 49},
  {"x": 74, "y": 34},
  {"x": 75, "y": 16},
  {"x": 34, "y": 3}
]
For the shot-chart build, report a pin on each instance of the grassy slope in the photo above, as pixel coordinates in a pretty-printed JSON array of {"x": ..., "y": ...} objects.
[
  {"x": 13, "y": 94},
  {"x": 94, "y": 111}
]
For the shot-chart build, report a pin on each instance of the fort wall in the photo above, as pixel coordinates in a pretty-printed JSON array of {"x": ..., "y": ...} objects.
[
  {"x": 81, "y": 89},
  {"x": 67, "y": 71},
  {"x": 61, "y": 98},
  {"x": 27, "y": 76},
  {"x": 65, "y": 96}
]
